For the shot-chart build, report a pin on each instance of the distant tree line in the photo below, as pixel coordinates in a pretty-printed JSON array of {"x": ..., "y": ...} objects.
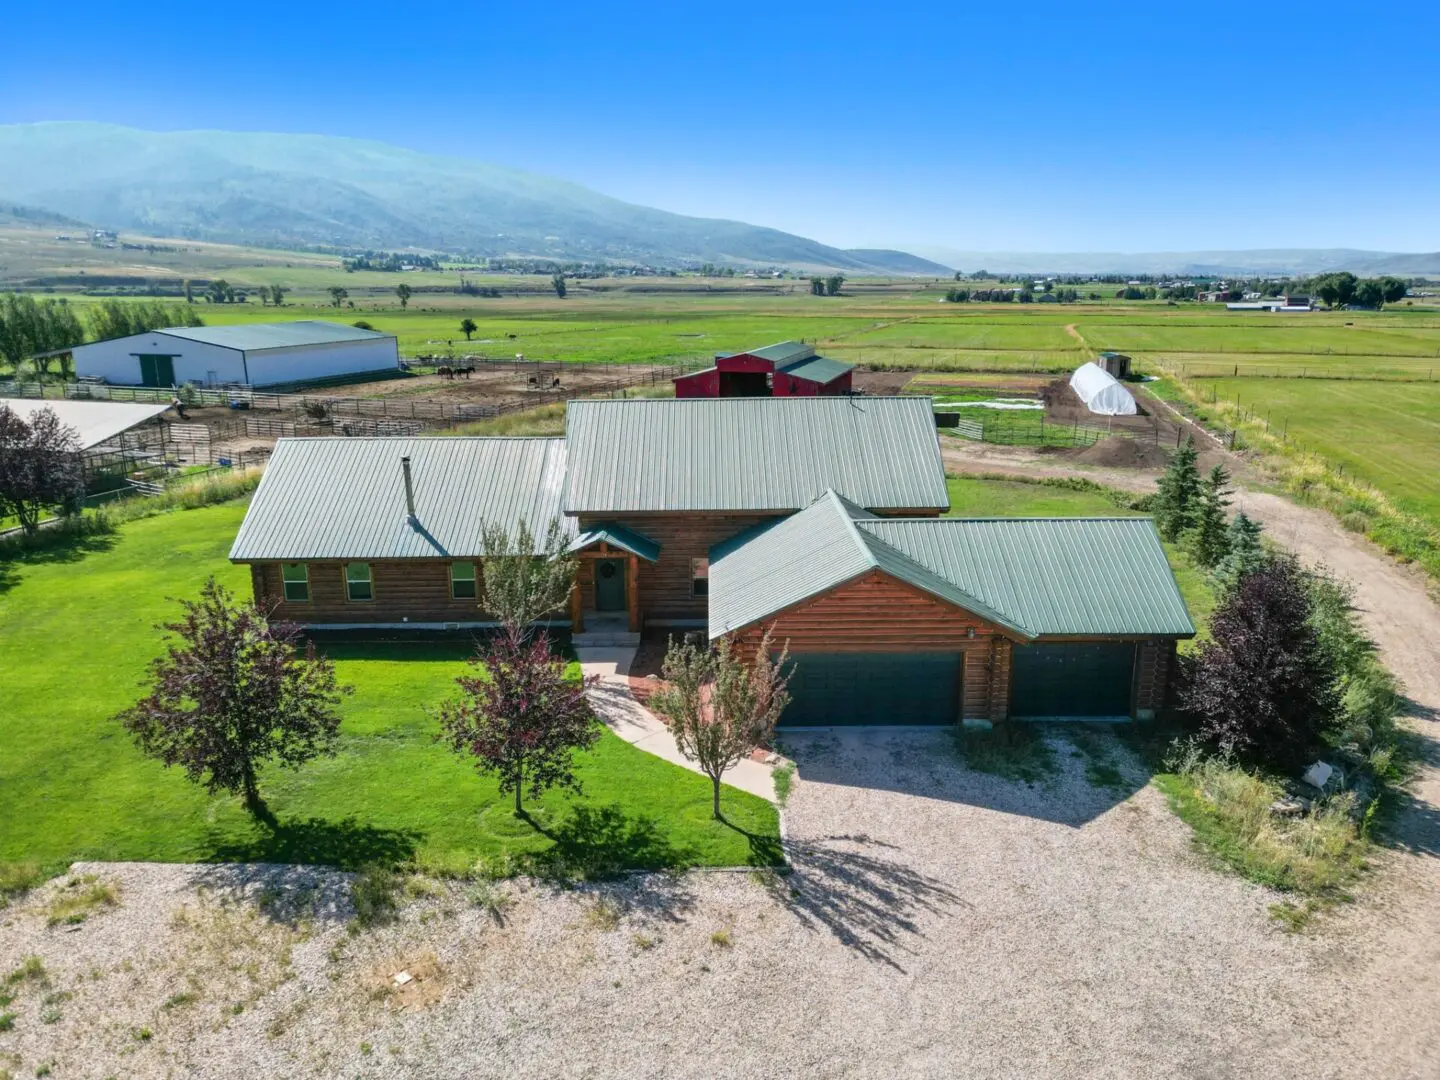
[
  {"x": 827, "y": 286},
  {"x": 29, "y": 326},
  {"x": 388, "y": 261}
]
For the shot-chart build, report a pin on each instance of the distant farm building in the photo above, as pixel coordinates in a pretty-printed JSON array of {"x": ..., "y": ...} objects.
[
  {"x": 788, "y": 369},
  {"x": 258, "y": 354},
  {"x": 1114, "y": 364},
  {"x": 1101, "y": 392}
]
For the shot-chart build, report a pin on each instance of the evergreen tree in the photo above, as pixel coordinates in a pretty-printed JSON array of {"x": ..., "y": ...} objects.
[
  {"x": 1209, "y": 537},
  {"x": 1244, "y": 553},
  {"x": 1177, "y": 501}
]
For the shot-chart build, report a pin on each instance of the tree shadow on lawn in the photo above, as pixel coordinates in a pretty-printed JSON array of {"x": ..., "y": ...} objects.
[
  {"x": 598, "y": 842},
  {"x": 344, "y": 845},
  {"x": 867, "y": 898},
  {"x": 68, "y": 549}
]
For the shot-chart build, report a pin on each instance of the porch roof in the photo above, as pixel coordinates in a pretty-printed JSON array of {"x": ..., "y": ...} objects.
[{"x": 617, "y": 536}]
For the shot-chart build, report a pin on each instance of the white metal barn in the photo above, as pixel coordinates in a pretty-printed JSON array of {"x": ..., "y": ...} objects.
[
  {"x": 1101, "y": 392},
  {"x": 259, "y": 354}
]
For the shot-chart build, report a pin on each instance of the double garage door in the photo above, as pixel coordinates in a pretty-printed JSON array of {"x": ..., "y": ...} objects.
[
  {"x": 873, "y": 688},
  {"x": 1073, "y": 680},
  {"x": 1053, "y": 681}
]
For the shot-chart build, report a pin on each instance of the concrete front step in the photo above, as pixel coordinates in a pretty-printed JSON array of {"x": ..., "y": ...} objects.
[{"x": 604, "y": 639}]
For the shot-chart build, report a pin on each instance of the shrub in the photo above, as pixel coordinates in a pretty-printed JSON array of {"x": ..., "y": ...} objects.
[{"x": 1263, "y": 687}]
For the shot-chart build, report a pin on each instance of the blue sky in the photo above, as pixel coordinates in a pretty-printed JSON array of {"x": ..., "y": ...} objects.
[{"x": 970, "y": 126}]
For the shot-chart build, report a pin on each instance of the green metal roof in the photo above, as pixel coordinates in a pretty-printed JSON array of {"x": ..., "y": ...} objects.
[
  {"x": 618, "y": 536},
  {"x": 1098, "y": 577},
  {"x": 775, "y": 566},
  {"x": 257, "y": 337},
  {"x": 1052, "y": 576},
  {"x": 329, "y": 498},
  {"x": 751, "y": 454},
  {"x": 819, "y": 369},
  {"x": 782, "y": 352}
]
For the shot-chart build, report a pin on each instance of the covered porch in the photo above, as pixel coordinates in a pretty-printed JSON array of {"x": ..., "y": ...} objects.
[{"x": 605, "y": 601}]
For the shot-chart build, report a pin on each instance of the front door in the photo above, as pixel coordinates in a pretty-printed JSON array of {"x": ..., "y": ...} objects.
[
  {"x": 157, "y": 371},
  {"x": 610, "y": 585}
]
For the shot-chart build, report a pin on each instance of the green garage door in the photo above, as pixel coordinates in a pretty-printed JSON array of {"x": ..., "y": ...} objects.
[
  {"x": 1071, "y": 680},
  {"x": 873, "y": 688}
]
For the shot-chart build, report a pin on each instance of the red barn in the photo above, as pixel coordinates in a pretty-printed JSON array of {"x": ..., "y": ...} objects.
[{"x": 788, "y": 369}]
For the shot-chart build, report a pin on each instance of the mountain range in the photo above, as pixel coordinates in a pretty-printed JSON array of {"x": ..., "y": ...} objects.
[
  {"x": 1261, "y": 261},
  {"x": 317, "y": 190}
]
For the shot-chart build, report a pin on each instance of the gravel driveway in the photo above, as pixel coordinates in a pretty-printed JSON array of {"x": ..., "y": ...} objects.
[{"x": 938, "y": 922}]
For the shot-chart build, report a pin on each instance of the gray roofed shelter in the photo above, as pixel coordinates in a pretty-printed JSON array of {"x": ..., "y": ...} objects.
[
  {"x": 820, "y": 369},
  {"x": 752, "y": 454},
  {"x": 344, "y": 498},
  {"x": 95, "y": 422},
  {"x": 781, "y": 353},
  {"x": 1091, "y": 577},
  {"x": 257, "y": 337}
]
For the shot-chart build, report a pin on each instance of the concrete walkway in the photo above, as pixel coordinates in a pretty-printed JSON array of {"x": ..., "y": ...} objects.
[{"x": 626, "y": 717}]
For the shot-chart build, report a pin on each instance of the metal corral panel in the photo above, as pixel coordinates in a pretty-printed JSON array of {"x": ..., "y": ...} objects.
[
  {"x": 768, "y": 569},
  {"x": 1053, "y": 576},
  {"x": 341, "y": 498},
  {"x": 256, "y": 337},
  {"x": 739, "y": 454},
  {"x": 818, "y": 369},
  {"x": 94, "y": 422}
]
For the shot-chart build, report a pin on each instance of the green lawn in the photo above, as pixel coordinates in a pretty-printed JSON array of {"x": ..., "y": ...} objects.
[
  {"x": 76, "y": 634},
  {"x": 975, "y": 497}
]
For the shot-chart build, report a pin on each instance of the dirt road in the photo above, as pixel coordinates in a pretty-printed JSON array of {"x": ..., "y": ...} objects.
[{"x": 1386, "y": 948}]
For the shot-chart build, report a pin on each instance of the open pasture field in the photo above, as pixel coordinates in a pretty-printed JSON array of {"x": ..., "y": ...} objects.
[
  {"x": 1385, "y": 433},
  {"x": 73, "y": 785},
  {"x": 1264, "y": 332}
]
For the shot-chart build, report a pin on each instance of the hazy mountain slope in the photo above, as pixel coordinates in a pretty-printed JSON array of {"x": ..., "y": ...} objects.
[
  {"x": 313, "y": 189},
  {"x": 1260, "y": 261},
  {"x": 902, "y": 261}
]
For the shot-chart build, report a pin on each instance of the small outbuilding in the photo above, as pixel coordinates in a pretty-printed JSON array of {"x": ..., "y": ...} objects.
[
  {"x": 786, "y": 369},
  {"x": 1101, "y": 392},
  {"x": 1114, "y": 363},
  {"x": 254, "y": 354}
]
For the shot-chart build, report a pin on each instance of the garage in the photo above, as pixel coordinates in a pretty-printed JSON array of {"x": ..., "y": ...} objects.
[
  {"x": 873, "y": 688},
  {"x": 1071, "y": 680}
]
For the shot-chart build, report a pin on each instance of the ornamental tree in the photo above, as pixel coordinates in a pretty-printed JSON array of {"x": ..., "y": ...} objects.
[
  {"x": 40, "y": 465},
  {"x": 1209, "y": 537},
  {"x": 1263, "y": 687},
  {"x": 1244, "y": 552},
  {"x": 520, "y": 717},
  {"x": 524, "y": 578},
  {"x": 231, "y": 693},
  {"x": 718, "y": 705}
]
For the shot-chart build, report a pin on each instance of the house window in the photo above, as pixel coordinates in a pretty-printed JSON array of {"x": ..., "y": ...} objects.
[
  {"x": 699, "y": 577},
  {"x": 296, "y": 579},
  {"x": 462, "y": 581},
  {"x": 358, "y": 586}
]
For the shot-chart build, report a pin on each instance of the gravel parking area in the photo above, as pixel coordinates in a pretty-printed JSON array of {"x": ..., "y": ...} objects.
[{"x": 938, "y": 922}]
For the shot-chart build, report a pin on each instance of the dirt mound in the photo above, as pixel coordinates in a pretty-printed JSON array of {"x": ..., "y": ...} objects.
[{"x": 1122, "y": 453}]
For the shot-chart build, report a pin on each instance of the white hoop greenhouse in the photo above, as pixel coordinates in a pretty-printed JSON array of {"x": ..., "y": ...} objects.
[{"x": 1101, "y": 391}]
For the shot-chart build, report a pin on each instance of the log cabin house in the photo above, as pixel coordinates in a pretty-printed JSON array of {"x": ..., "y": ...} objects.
[{"x": 817, "y": 517}]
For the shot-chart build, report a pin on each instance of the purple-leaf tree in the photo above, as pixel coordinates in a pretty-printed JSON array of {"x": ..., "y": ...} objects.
[
  {"x": 520, "y": 717},
  {"x": 232, "y": 692},
  {"x": 40, "y": 465},
  {"x": 1262, "y": 686}
]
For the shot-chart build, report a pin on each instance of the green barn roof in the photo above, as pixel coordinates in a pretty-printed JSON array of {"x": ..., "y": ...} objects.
[
  {"x": 1037, "y": 577},
  {"x": 781, "y": 353},
  {"x": 819, "y": 369},
  {"x": 329, "y": 498},
  {"x": 752, "y": 454}
]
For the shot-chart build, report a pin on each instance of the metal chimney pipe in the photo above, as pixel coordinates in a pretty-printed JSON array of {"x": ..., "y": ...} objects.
[{"x": 409, "y": 489}]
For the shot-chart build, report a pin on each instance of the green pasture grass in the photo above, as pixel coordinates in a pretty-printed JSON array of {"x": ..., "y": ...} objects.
[
  {"x": 1385, "y": 433},
  {"x": 885, "y": 358},
  {"x": 77, "y": 631},
  {"x": 1292, "y": 366},
  {"x": 1279, "y": 334},
  {"x": 981, "y": 497},
  {"x": 971, "y": 333}
]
